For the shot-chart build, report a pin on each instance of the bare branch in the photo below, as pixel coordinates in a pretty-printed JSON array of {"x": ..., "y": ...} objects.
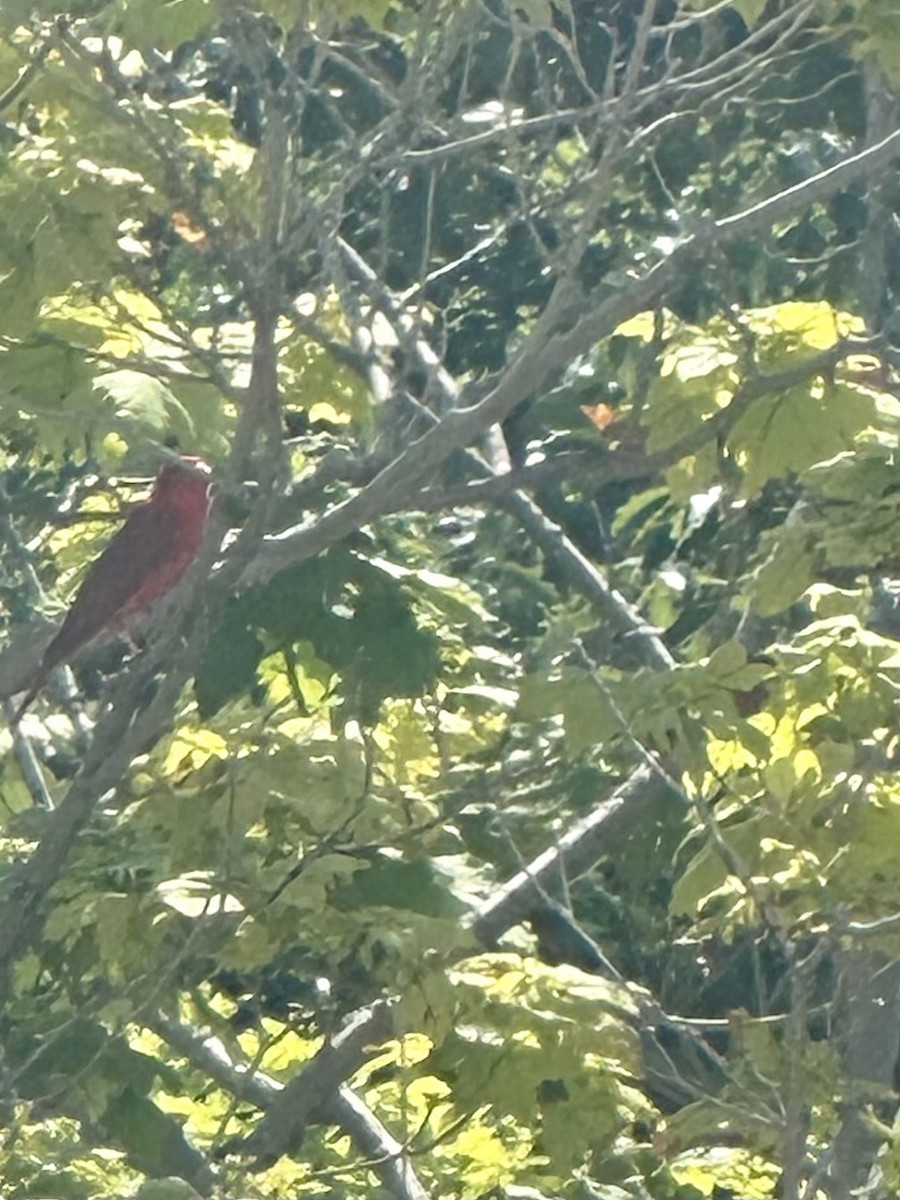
[
  {"x": 547, "y": 349},
  {"x": 309, "y": 1096},
  {"x": 30, "y": 70},
  {"x": 384, "y": 1154},
  {"x": 577, "y": 851}
]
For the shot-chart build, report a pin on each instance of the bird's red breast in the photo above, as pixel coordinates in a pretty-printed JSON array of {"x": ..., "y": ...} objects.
[
  {"x": 171, "y": 534},
  {"x": 139, "y": 565}
]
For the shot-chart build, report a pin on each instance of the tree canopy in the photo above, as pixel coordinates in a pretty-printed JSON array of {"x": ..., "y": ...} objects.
[{"x": 505, "y": 805}]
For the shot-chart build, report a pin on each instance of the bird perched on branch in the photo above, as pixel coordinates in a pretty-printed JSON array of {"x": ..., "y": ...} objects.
[{"x": 142, "y": 562}]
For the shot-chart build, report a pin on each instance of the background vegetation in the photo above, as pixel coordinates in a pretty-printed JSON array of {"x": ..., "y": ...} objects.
[{"x": 509, "y": 808}]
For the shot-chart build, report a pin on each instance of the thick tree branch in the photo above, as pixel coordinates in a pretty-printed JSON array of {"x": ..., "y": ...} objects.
[
  {"x": 384, "y": 1154},
  {"x": 579, "y": 571},
  {"x": 575, "y": 852},
  {"x": 546, "y": 351},
  {"x": 309, "y": 1097}
]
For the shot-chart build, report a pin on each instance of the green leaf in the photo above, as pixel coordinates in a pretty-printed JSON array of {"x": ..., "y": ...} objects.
[
  {"x": 313, "y": 377},
  {"x": 675, "y": 408},
  {"x": 789, "y": 432},
  {"x": 355, "y": 615},
  {"x": 726, "y": 660},
  {"x": 229, "y": 666},
  {"x": 153, "y": 1139},
  {"x": 166, "y": 1189},
  {"x": 588, "y": 715},
  {"x": 786, "y": 573},
  {"x": 415, "y": 886},
  {"x": 143, "y": 404}
]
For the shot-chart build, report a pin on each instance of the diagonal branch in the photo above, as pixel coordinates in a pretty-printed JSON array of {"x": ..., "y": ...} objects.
[
  {"x": 384, "y": 1154},
  {"x": 310, "y": 1094},
  {"x": 575, "y": 852},
  {"x": 579, "y": 571},
  {"x": 558, "y": 337},
  {"x": 28, "y": 73},
  {"x": 309, "y": 1097}
]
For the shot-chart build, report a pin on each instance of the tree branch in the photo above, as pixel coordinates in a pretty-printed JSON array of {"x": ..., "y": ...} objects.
[
  {"x": 547, "y": 349},
  {"x": 309, "y": 1096},
  {"x": 385, "y": 1155}
]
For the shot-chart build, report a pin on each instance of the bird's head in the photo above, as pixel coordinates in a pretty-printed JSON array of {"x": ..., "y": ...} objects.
[{"x": 183, "y": 478}]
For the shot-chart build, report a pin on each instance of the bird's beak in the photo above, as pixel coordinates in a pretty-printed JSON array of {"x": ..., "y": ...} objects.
[
  {"x": 198, "y": 465},
  {"x": 190, "y": 463}
]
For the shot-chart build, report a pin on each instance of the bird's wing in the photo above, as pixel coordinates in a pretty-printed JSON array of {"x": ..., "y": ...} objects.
[{"x": 140, "y": 551}]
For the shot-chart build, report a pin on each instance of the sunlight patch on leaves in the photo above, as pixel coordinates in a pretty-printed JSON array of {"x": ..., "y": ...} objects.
[
  {"x": 792, "y": 431},
  {"x": 748, "y": 1175}
]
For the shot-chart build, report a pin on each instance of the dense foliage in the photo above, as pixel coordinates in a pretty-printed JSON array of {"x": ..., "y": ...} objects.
[{"x": 507, "y": 805}]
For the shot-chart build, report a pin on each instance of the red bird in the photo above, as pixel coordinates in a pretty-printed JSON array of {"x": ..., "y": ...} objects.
[{"x": 142, "y": 562}]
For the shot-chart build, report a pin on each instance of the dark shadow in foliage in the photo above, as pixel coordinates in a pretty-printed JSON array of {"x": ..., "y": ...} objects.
[
  {"x": 390, "y": 883},
  {"x": 358, "y": 619},
  {"x": 64, "y": 1075}
]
